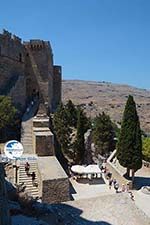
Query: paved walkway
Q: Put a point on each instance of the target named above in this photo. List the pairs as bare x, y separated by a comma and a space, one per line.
142, 201
85, 188
116, 209
27, 129
27, 141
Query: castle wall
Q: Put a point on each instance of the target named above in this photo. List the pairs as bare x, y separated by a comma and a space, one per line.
11, 46
41, 58
27, 68
32, 86
13, 81
56, 87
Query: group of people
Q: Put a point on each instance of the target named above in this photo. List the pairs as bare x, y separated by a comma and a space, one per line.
27, 169
115, 184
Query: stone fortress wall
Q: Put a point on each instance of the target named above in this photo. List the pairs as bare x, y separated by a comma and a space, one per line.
12, 68
27, 72
27, 68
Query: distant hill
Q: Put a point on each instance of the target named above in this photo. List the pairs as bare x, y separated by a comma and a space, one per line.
96, 97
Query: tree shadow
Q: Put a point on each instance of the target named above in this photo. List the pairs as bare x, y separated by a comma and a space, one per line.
141, 181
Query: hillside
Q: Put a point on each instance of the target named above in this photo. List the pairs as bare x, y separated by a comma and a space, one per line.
96, 97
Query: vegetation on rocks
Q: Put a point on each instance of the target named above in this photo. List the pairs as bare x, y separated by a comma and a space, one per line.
9, 121
129, 148
146, 148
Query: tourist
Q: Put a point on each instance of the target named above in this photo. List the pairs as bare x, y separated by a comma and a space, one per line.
110, 183
27, 168
33, 175
27, 110
32, 103
123, 188
116, 186
109, 175
127, 188
131, 196
114, 181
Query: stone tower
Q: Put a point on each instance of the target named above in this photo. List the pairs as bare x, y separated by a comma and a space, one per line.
27, 70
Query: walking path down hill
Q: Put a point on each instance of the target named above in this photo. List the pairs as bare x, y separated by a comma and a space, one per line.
27, 128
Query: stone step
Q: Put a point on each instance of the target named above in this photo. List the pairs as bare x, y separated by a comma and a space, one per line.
27, 139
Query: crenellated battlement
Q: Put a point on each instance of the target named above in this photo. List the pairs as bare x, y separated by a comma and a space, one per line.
37, 44
9, 36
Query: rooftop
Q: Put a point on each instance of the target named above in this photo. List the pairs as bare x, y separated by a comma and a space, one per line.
50, 168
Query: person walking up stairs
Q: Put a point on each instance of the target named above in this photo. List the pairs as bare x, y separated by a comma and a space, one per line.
31, 188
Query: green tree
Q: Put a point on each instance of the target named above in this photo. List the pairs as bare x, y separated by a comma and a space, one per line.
146, 148
103, 134
129, 148
83, 125
62, 128
71, 113
7, 114
7, 111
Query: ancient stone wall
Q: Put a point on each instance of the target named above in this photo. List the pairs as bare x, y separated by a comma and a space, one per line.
41, 61
28, 67
55, 191
57, 87
54, 185
12, 69
11, 46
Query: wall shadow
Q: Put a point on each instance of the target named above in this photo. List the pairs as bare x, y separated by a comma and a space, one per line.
65, 214
91, 181
141, 181
71, 215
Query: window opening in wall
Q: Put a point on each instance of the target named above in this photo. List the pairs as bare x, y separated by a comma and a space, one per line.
20, 57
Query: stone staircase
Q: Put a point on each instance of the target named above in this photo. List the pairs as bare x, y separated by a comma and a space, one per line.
30, 189
27, 128
28, 154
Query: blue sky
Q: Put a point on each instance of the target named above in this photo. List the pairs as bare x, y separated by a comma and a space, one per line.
103, 40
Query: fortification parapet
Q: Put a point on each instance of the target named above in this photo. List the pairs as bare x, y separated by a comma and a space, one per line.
17, 39
6, 34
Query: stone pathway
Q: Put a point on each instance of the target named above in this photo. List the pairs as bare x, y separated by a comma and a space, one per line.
142, 201
27, 129
27, 180
27, 141
116, 209
85, 188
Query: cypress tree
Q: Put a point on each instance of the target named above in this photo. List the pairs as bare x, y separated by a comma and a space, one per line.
129, 148
103, 134
83, 124
71, 113
61, 128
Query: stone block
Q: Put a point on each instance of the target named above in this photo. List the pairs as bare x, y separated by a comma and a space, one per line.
54, 185
43, 141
